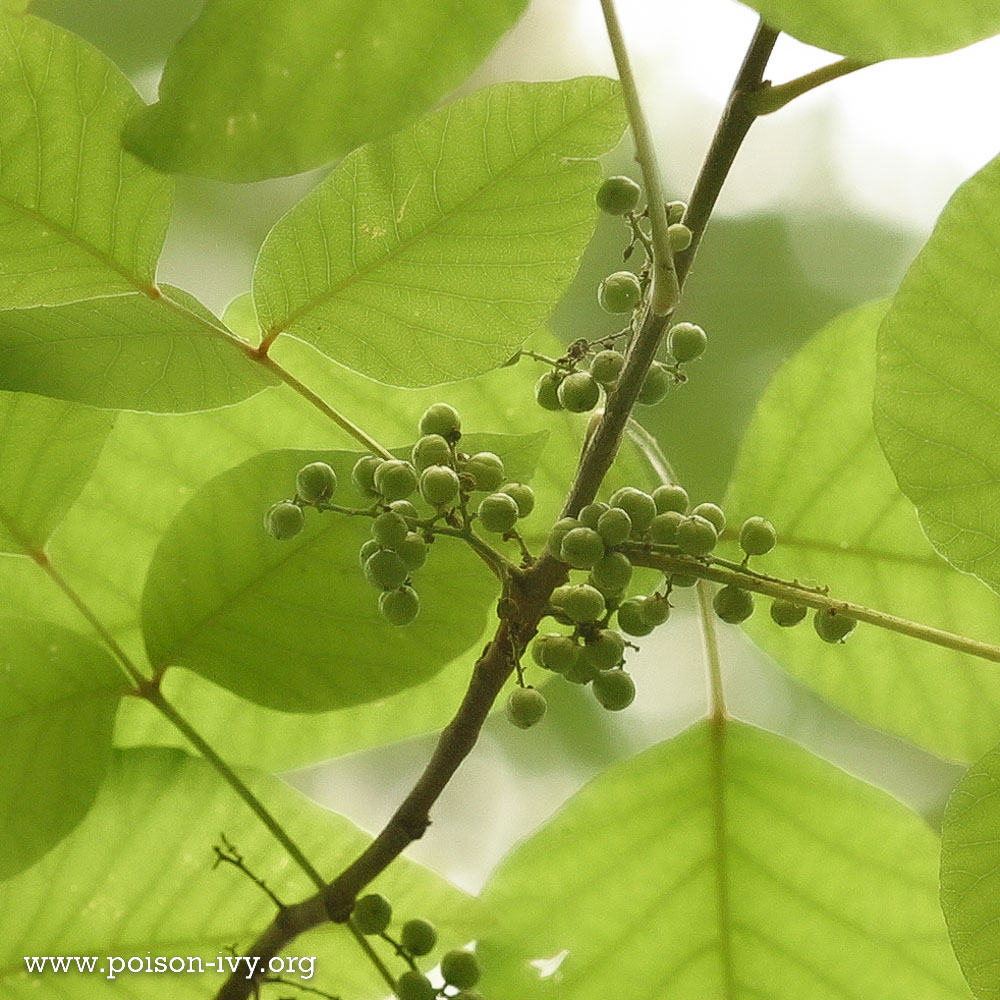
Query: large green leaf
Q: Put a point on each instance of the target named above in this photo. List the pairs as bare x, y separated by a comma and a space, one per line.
137, 879
259, 90
937, 409
58, 696
78, 217
970, 875
811, 463
727, 862
430, 256
130, 352
871, 30
48, 450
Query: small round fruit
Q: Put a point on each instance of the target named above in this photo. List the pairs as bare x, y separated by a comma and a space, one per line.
547, 391
418, 936
675, 211
582, 671
581, 548
523, 495
431, 449
414, 985
605, 648
525, 707
757, 536
680, 236
607, 366
663, 530
389, 529
384, 570
687, 341
655, 610
638, 505
786, 613
498, 513
284, 520
614, 526
439, 485
733, 605
612, 573
372, 913
367, 551
591, 514
682, 580
399, 607
581, 603
460, 968
395, 479
655, 385
831, 626
315, 482
630, 618
440, 418
618, 195
555, 652
487, 470
614, 689
619, 292
579, 392
714, 513
405, 508
363, 474
412, 550
559, 532
670, 498
696, 535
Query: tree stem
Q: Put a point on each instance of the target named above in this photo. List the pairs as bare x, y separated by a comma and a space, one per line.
768, 99
716, 695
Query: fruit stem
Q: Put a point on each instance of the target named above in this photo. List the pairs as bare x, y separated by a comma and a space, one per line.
716, 695
370, 953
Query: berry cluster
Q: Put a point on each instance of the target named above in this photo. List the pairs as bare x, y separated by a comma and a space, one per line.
372, 916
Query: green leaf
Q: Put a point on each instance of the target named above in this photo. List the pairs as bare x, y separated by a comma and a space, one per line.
131, 352
137, 878
78, 218
811, 464
260, 90
430, 256
970, 874
58, 696
936, 409
14, 6
870, 30
727, 862
47, 452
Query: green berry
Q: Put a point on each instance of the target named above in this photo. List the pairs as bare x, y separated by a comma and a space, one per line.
618, 195
682, 580
487, 470
680, 237
547, 391
418, 937
831, 626
733, 605
399, 607
363, 474
581, 548
605, 648
614, 689
591, 514
431, 449
670, 498
284, 520
460, 968
372, 913
389, 529
405, 508
614, 526
440, 418
315, 482
579, 393
522, 495
663, 530
675, 211
555, 652
558, 533
412, 550
786, 613
630, 618
619, 292
395, 479
439, 485
696, 535
757, 536
498, 513
582, 671
384, 570
607, 366
687, 341
655, 385
612, 573
581, 603
414, 985
367, 551
638, 505
712, 512
525, 707
655, 610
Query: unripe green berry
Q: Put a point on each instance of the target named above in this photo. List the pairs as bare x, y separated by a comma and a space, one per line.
524, 708
555, 652
581, 603
655, 610
607, 366
581, 548
614, 526
583, 671
733, 605
431, 449
670, 498
558, 533
414, 985
655, 385
400, 606
612, 573
614, 689
367, 551
487, 470
618, 195
389, 529
619, 292
687, 341
363, 474
757, 536
714, 513
523, 495
675, 211
696, 535
384, 570
439, 485
284, 520
663, 530
591, 514
630, 618
682, 580
460, 968
605, 648
405, 508
547, 391
418, 937
498, 513
372, 913
680, 237
831, 626
579, 393
315, 481
395, 479
412, 550
440, 418
638, 505
786, 613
